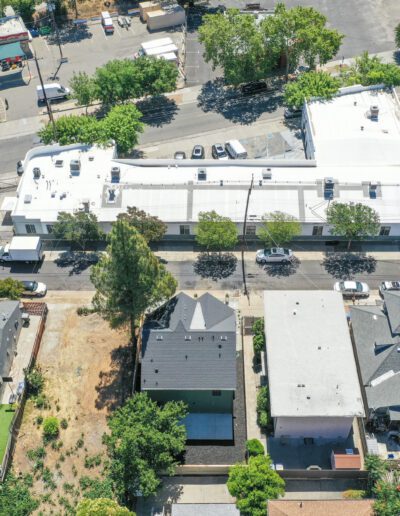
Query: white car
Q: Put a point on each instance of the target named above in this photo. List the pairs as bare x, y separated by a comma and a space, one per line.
34, 288
352, 288
389, 285
274, 255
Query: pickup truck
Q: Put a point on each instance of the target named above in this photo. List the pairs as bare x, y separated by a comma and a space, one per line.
22, 249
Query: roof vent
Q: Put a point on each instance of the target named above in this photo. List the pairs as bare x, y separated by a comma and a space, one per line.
63, 195
28, 199
374, 112
111, 196
266, 173
115, 174
36, 172
188, 337
59, 163
201, 174
159, 337
373, 186
75, 167
221, 183
329, 186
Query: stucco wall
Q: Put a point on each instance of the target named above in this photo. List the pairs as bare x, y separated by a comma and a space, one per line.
316, 427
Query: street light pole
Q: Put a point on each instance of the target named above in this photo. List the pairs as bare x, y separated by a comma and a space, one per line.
51, 8
244, 243
48, 106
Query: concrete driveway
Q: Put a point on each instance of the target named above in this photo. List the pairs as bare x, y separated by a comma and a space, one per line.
367, 24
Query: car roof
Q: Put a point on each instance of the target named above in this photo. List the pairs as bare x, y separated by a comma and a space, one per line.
392, 284
350, 284
28, 283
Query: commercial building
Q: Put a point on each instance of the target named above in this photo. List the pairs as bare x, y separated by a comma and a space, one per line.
312, 376
189, 354
14, 38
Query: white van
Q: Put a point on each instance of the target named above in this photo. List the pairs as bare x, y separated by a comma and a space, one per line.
235, 149
167, 49
107, 22
53, 91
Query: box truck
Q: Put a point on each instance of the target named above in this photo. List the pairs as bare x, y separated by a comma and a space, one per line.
53, 91
22, 249
107, 22
155, 43
167, 49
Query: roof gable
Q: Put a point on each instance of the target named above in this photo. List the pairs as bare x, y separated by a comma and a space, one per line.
392, 303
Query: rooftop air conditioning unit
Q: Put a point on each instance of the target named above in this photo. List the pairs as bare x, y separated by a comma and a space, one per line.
373, 187
28, 199
202, 174
329, 186
36, 172
115, 174
59, 163
75, 167
266, 173
374, 112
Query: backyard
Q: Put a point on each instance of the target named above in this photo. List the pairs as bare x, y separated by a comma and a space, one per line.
86, 368
6, 414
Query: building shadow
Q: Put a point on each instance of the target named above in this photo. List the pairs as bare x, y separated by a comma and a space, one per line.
282, 270
228, 102
115, 385
345, 266
215, 266
158, 110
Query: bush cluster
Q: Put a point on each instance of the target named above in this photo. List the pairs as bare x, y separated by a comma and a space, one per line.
263, 407
259, 336
254, 447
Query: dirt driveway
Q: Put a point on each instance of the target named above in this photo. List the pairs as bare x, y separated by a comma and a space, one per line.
87, 370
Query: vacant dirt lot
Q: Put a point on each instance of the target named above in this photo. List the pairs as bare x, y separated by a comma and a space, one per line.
87, 369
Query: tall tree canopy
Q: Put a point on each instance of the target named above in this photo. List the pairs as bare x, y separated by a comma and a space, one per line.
309, 85
368, 70
10, 288
79, 227
149, 226
278, 228
215, 232
83, 88
353, 221
145, 441
129, 279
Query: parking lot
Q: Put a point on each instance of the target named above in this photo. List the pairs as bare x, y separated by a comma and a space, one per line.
85, 48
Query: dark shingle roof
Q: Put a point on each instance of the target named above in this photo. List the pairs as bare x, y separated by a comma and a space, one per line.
190, 344
392, 303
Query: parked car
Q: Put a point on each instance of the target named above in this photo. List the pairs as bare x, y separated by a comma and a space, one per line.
274, 255
198, 152
5, 66
218, 152
389, 285
34, 288
352, 289
292, 113
254, 87
34, 32
179, 155
121, 21
20, 168
128, 21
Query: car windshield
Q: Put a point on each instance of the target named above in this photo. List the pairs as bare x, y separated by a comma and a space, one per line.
359, 286
30, 285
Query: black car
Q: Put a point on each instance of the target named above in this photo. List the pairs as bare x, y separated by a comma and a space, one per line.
198, 152
5, 65
20, 168
254, 87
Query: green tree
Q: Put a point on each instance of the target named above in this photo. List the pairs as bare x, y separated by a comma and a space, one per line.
74, 129
278, 228
234, 42
146, 440
122, 124
129, 279
387, 497
25, 8
369, 70
254, 484
156, 76
376, 468
397, 35
254, 447
309, 85
354, 221
96, 487
15, 497
150, 227
258, 326
82, 88
300, 33
78, 228
11, 288
51, 427
101, 507
215, 232
258, 343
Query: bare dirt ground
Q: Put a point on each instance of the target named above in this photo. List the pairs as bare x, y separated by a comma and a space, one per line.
89, 8
87, 369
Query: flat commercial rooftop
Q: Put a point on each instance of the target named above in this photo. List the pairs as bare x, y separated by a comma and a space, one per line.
12, 26
311, 366
175, 192
344, 132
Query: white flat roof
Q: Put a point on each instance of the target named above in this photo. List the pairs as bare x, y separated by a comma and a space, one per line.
174, 192
311, 366
19, 243
11, 25
337, 134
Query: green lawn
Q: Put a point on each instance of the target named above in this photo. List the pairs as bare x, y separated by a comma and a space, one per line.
6, 415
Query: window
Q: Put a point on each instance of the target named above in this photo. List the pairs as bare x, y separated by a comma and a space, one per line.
216, 393
30, 228
251, 229
385, 231
317, 230
184, 229
49, 228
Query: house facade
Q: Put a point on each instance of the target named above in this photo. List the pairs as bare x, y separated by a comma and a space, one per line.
10, 328
189, 354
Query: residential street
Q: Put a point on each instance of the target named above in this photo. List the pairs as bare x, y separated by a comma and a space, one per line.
307, 275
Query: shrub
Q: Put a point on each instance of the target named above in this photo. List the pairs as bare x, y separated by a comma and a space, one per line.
51, 428
258, 326
64, 423
41, 402
262, 407
79, 443
96, 488
258, 343
39, 420
254, 447
354, 494
34, 381
91, 462
84, 310
38, 453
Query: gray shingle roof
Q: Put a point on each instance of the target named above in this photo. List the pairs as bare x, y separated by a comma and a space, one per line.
392, 303
377, 351
190, 344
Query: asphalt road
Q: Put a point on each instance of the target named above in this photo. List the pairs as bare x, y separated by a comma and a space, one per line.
308, 275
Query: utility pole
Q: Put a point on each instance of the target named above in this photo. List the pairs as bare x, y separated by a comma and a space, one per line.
48, 106
51, 8
244, 243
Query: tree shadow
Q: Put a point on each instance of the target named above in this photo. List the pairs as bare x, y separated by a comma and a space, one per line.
345, 265
228, 102
158, 110
78, 261
70, 34
215, 266
115, 385
196, 13
282, 270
